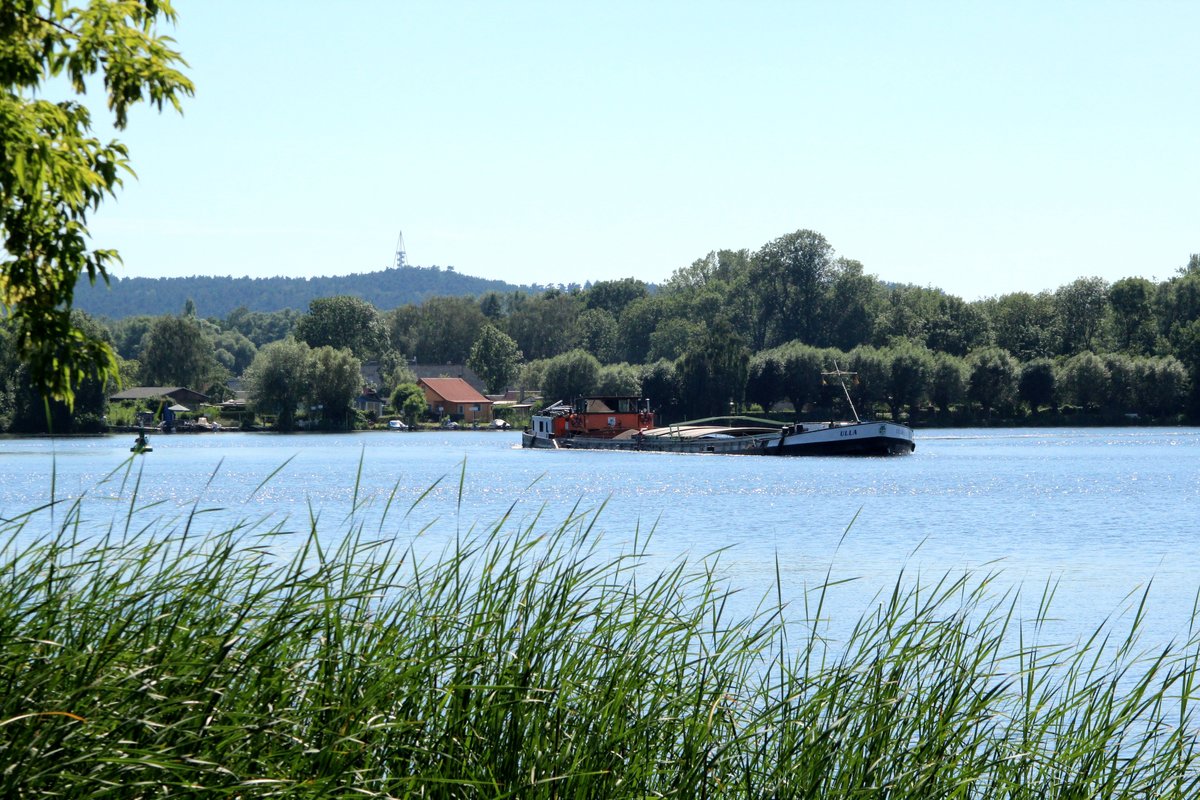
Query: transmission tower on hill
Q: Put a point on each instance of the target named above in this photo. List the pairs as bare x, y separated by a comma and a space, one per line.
401, 256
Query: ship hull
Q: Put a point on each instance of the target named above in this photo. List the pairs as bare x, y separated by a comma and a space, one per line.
825, 439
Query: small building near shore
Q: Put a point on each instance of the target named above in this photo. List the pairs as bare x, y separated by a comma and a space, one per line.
447, 371
175, 394
171, 400
456, 399
369, 402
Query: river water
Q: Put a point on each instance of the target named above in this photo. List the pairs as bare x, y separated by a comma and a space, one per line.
1101, 513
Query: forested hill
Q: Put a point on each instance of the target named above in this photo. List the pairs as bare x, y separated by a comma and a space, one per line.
217, 296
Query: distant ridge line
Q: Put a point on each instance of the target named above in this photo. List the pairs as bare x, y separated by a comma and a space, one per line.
217, 296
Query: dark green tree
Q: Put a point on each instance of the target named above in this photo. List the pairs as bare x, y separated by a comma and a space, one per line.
1085, 380
336, 379
279, 379
532, 375
233, 351
9, 379
178, 352
948, 382
1185, 338
618, 380
992, 378
637, 325
909, 375
409, 402
856, 300
712, 373
53, 171
1132, 302
570, 375
1121, 394
802, 368
28, 409
764, 380
1177, 306
907, 314
344, 322
719, 269
957, 327
1081, 305
1037, 385
869, 386
614, 296
790, 279
262, 327
492, 306
660, 384
446, 330
129, 335
495, 358
595, 330
673, 337
1161, 386
393, 371
540, 325
1025, 325
402, 326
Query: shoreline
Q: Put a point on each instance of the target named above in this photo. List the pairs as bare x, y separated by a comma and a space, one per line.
917, 427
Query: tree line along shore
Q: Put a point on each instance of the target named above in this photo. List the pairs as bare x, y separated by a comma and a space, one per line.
736, 330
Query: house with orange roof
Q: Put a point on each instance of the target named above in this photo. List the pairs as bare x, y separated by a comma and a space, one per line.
456, 399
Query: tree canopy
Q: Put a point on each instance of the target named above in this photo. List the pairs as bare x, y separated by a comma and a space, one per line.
344, 321
177, 352
495, 358
336, 380
279, 378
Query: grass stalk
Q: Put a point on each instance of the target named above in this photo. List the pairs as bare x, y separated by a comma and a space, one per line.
524, 660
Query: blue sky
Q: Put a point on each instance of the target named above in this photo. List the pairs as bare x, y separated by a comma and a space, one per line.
978, 148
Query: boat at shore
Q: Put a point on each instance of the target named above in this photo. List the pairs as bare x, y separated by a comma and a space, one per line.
627, 423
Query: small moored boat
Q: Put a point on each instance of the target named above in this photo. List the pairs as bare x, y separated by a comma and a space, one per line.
141, 444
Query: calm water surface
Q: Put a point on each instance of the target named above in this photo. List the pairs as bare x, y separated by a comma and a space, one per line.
1103, 512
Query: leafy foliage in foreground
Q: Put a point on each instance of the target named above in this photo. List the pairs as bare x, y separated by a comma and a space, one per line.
519, 664
54, 172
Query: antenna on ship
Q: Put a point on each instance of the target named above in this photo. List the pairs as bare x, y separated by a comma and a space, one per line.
841, 374
401, 256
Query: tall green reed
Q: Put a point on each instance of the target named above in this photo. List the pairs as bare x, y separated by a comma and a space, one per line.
524, 660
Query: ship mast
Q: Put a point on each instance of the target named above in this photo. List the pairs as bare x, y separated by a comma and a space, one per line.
840, 374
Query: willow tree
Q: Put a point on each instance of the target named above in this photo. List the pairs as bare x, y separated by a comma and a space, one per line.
279, 378
53, 171
713, 372
336, 379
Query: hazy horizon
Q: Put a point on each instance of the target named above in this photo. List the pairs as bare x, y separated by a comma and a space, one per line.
979, 150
